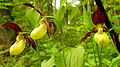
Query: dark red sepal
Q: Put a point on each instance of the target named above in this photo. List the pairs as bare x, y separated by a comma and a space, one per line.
55, 28
27, 4
13, 26
30, 41
94, 30
49, 24
98, 17
105, 29
30, 5
86, 36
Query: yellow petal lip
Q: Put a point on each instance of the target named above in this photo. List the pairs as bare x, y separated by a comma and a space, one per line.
18, 46
101, 38
39, 32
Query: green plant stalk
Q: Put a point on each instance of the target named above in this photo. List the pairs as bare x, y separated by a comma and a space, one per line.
94, 54
62, 37
101, 51
62, 43
38, 52
26, 33
49, 17
99, 57
39, 64
39, 59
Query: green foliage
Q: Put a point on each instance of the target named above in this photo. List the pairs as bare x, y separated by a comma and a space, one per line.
116, 28
74, 57
3, 7
115, 62
73, 13
33, 18
60, 13
49, 63
87, 19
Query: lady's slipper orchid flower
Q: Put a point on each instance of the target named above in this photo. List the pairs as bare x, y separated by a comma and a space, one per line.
100, 36
18, 46
45, 26
21, 39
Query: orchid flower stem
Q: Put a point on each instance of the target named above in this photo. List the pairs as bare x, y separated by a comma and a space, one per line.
49, 17
38, 52
45, 17
27, 33
63, 47
94, 53
39, 64
62, 42
99, 57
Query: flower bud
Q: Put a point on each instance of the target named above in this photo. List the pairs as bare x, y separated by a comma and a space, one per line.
39, 32
18, 46
101, 38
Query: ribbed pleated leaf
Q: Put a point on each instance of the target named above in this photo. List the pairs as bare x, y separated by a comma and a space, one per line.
74, 57
115, 62
49, 63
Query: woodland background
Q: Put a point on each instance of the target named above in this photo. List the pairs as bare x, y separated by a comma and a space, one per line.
73, 21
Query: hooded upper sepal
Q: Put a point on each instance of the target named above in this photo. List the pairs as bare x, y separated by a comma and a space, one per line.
98, 17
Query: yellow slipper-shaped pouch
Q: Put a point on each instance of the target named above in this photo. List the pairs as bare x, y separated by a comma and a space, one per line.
18, 46
39, 32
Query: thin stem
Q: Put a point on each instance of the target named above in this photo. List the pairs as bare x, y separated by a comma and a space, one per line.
62, 42
26, 33
38, 52
49, 17
99, 57
94, 53
101, 51
39, 64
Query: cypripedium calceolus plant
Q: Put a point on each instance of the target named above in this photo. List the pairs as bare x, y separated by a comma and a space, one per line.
21, 39
100, 36
44, 27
